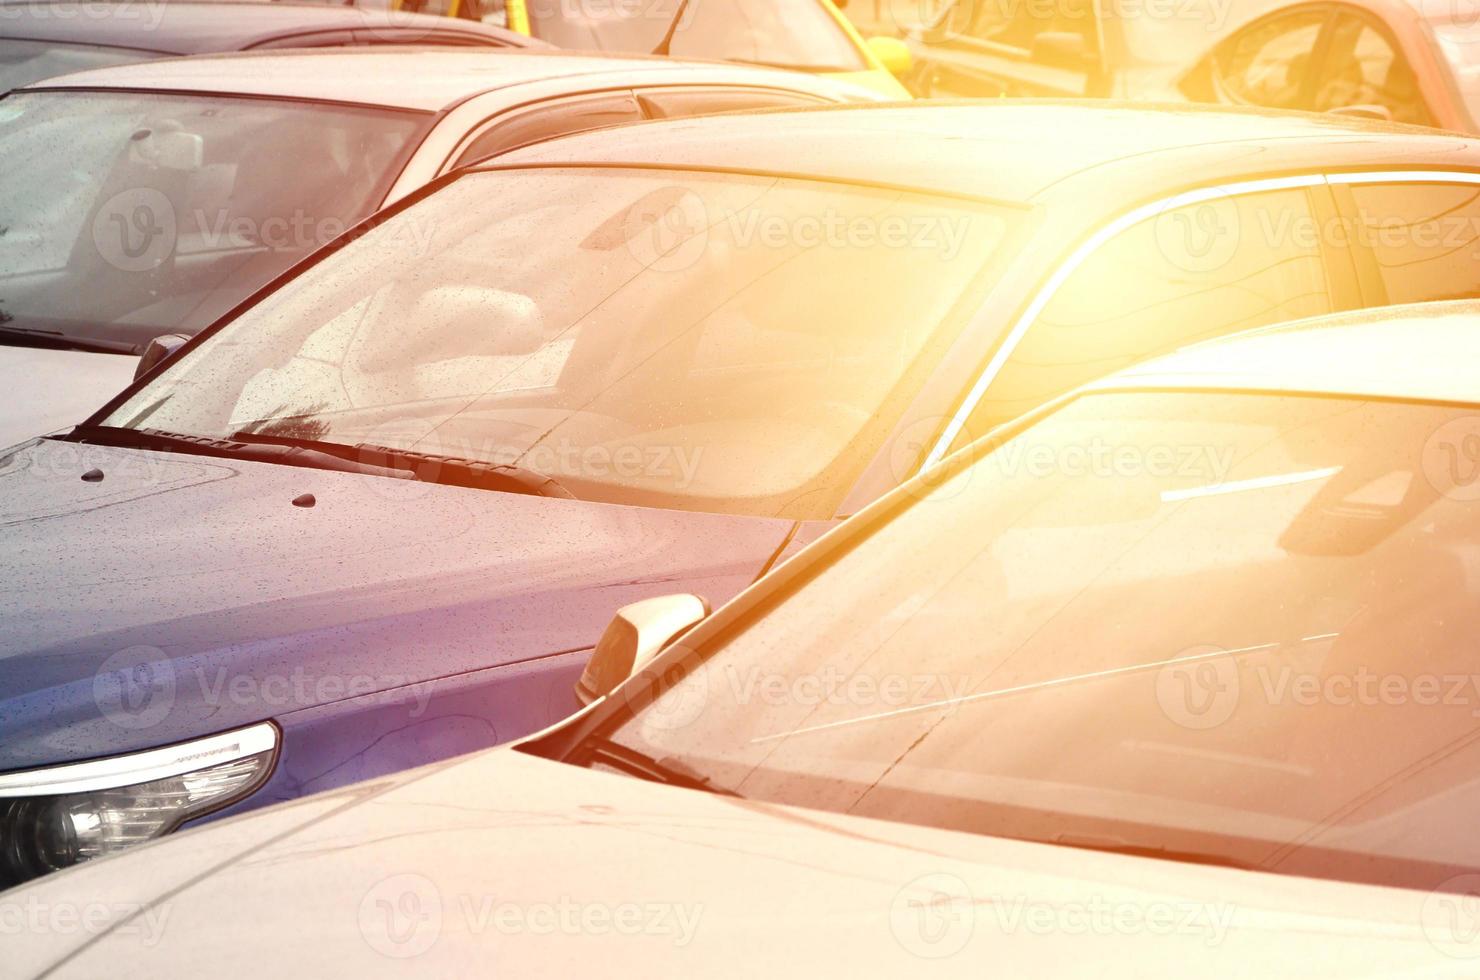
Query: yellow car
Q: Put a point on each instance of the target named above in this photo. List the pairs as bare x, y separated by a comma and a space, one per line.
804, 35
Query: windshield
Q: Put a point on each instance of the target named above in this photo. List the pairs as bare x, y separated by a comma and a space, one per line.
723, 343
1226, 625
1460, 43
24, 62
125, 216
786, 33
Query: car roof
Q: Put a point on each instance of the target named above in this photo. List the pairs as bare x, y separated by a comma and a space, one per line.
175, 27
1413, 353
1016, 151
428, 79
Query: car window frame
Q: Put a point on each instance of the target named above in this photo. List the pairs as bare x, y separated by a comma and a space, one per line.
454, 159
998, 63
1208, 66
1364, 258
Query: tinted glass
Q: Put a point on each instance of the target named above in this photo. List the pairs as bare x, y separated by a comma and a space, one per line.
24, 62
1422, 241
1363, 67
128, 216
720, 343
1234, 626
554, 118
1269, 63
786, 33
1460, 45
1189, 275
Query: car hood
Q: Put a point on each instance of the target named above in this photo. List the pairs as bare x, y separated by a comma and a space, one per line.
203, 576
49, 390
503, 863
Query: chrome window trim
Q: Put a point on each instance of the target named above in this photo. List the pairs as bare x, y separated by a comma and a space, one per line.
141, 767
1127, 221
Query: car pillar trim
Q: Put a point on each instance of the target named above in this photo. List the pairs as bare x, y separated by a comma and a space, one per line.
141, 767
1126, 221
1406, 177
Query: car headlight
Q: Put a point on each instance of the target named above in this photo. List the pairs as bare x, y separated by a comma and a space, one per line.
57, 817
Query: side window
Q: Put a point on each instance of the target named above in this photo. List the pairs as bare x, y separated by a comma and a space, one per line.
1418, 242
1188, 275
673, 103
1363, 67
1269, 63
555, 118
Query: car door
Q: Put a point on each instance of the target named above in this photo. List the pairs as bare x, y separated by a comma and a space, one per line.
988, 49
546, 120
1189, 274
1413, 241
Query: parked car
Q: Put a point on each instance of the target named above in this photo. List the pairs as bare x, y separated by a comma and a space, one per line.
1068, 48
43, 38
1412, 61
1047, 706
147, 200
802, 35
657, 358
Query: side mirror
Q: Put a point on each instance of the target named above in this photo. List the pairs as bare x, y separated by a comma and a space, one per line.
892, 53
1060, 49
157, 351
1379, 112
634, 636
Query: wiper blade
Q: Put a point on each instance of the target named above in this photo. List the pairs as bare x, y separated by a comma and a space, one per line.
428, 467
364, 458
310, 457
668, 770
56, 340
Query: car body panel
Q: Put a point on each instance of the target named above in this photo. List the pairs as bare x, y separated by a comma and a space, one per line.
246, 607
183, 28
447, 869
48, 390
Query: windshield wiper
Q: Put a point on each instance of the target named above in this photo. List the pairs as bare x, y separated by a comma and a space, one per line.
668, 770
56, 340
363, 459
451, 471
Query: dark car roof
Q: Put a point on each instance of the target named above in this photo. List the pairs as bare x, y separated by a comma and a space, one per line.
198, 28
1018, 151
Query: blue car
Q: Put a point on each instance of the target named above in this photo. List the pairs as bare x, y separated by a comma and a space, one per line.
379, 514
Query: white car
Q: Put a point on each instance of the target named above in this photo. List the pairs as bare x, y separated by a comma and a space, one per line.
1012, 718
146, 200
